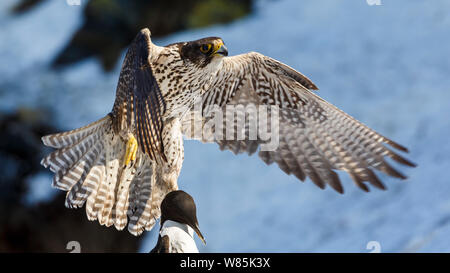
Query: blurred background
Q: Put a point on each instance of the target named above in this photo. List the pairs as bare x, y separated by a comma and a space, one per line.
387, 65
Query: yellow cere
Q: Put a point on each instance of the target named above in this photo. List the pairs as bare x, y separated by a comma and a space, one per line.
218, 45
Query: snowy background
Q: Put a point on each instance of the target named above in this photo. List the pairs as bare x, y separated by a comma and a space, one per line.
387, 66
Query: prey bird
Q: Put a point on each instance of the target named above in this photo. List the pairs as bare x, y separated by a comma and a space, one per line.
123, 165
178, 224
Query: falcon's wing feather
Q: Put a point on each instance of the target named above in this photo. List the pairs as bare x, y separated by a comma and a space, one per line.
139, 104
315, 137
282, 68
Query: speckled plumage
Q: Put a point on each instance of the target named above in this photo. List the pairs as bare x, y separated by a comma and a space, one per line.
155, 102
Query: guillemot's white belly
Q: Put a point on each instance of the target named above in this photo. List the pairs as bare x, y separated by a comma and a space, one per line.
181, 237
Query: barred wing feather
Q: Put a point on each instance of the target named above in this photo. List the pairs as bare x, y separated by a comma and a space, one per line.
315, 137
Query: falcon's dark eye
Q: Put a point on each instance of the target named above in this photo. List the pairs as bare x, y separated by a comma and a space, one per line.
205, 48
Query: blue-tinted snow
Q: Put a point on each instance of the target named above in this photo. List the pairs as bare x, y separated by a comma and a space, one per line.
387, 65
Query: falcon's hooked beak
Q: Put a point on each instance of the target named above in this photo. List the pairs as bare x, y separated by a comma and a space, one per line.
220, 49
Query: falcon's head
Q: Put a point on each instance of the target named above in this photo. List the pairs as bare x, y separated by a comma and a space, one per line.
204, 51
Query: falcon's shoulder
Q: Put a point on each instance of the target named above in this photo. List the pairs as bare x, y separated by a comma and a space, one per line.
261, 79
265, 63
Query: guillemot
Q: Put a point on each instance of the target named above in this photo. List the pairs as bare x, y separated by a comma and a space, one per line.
178, 223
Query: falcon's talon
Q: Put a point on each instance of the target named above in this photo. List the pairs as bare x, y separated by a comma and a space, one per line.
130, 154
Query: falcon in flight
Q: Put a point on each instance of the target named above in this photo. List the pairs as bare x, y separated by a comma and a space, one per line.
124, 164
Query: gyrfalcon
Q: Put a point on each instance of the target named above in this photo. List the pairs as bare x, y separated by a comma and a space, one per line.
124, 164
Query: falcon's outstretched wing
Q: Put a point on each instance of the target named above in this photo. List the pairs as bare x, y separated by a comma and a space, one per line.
92, 163
139, 104
315, 137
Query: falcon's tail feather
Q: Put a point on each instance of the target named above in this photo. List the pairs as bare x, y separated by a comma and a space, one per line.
89, 164
73, 146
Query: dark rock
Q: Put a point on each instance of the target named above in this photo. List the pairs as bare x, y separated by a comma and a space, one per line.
20, 150
25, 5
109, 26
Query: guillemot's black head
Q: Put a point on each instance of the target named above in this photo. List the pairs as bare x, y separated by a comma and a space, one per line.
180, 207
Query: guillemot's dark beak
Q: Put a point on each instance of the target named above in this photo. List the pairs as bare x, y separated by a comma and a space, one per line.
200, 235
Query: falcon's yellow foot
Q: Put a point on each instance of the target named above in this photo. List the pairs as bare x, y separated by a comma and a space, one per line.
130, 154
